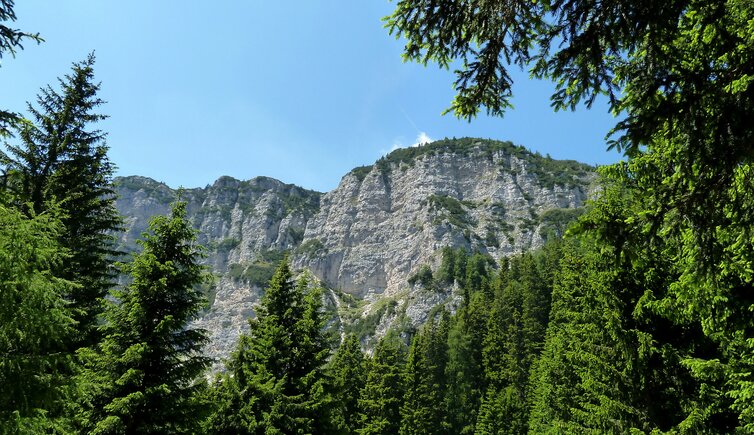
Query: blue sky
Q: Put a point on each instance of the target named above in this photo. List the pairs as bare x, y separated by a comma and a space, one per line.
302, 91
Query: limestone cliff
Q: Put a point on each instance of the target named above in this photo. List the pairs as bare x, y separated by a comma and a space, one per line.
364, 239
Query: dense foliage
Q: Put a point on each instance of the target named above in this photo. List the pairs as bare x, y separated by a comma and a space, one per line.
142, 377
276, 381
35, 324
668, 248
62, 159
638, 321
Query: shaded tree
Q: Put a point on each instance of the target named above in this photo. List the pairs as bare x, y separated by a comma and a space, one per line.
465, 370
35, 322
423, 410
381, 398
349, 376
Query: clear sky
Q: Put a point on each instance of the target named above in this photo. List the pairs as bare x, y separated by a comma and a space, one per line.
302, 90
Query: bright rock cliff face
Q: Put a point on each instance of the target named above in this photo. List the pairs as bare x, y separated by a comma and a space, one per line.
364, 239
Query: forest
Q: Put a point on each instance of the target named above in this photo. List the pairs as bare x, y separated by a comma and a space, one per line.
639, 320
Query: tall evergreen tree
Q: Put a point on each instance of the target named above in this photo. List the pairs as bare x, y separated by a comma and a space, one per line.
423, 403
584, 379
35, 323
143, 378
380, 401
62, 158
349, 376
464, 370
276, 378
681, 74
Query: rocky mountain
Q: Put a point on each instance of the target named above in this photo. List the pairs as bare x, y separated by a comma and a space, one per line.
365, 239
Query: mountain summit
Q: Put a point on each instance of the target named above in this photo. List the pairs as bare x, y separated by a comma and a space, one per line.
368, 237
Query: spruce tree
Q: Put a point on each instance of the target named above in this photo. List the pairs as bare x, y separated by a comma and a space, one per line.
381, 398
35, 323
423, 403
276, 381
347, 370
144, 376
464, 370
62, 158
584, 380
680, 73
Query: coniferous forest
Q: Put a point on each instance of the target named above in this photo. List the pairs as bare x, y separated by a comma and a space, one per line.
640, 319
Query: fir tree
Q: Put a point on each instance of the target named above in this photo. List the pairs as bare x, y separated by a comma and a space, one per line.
35, 322
276, 382
63, 159
380, 401
143, 378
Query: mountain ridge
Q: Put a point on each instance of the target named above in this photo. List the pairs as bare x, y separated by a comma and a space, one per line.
364, 239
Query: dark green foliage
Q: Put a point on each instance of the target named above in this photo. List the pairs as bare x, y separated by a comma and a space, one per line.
143, 377
62, 158
423, 277
35, 324
380, 400
465, 371
224, 245
446, 271
348, 373
470, 272
423, 410
515, 333
276, 382
361, 172
477, 275
583, 380
451, 209
556, 221
11, 40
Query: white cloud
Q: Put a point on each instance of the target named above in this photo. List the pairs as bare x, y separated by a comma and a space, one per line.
421, 139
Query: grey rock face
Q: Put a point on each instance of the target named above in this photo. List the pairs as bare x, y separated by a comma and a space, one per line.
376, 229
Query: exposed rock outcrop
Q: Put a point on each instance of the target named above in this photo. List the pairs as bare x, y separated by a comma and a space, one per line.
365, 238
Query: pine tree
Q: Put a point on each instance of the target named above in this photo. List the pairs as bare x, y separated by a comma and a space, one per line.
277, 382
62, 159
143, 378
348, 372
35, 322
380, 401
